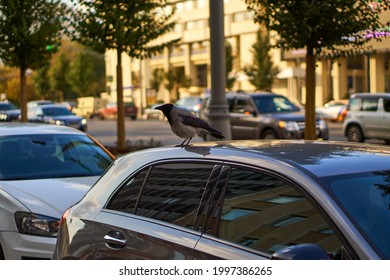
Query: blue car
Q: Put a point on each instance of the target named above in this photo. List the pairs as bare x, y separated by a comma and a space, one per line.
8, 111
58, 115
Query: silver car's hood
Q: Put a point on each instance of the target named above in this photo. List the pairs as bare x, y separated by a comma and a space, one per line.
50, 197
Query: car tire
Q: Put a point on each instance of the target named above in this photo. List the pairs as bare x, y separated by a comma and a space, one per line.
355, 133
269, 134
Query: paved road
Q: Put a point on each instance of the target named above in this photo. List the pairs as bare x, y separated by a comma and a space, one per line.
148, 130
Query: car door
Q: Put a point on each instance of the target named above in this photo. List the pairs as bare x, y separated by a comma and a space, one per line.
258, 214
369, 116
154, 214
242, 120
385, 118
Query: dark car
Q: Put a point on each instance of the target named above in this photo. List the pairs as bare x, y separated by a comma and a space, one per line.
267, 116
8, 111
191, 103
252, 199
58, 115
111, 111
368, 117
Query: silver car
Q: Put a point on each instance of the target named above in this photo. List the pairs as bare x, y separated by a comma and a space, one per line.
253, 199
44, 169
368, 117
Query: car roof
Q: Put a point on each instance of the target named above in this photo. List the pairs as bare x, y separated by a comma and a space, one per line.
252, 94
320, 158
20, 128
364, 94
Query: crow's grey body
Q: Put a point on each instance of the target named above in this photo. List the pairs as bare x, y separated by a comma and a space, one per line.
185, 124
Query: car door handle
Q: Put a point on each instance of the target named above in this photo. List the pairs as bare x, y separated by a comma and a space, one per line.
115, 240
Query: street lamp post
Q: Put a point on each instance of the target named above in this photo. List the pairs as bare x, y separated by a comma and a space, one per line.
218, 114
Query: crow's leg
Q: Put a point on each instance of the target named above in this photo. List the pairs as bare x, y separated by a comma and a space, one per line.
182, 144
189, 141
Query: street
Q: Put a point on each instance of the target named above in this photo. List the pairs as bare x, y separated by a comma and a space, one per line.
146, 130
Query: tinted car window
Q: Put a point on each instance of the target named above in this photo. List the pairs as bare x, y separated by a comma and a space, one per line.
267, 214
170, 193
370, 104
50, 156
386, 105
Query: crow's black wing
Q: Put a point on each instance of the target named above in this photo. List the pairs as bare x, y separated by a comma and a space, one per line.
194, 121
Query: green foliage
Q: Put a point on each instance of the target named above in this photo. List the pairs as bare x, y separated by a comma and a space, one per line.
84, 76
126, 26
262, 71
230, 80
330, 27
27, 28
325, 28
42, 81
156, 80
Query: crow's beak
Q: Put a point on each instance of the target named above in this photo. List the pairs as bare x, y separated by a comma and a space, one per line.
159, 107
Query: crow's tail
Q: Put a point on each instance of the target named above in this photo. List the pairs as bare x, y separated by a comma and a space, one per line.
215, 133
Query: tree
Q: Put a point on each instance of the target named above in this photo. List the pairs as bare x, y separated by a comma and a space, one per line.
130, 27
325, 28
262, 71
83, 75
42, 81
27, 28
230, 79
58, 77
175, 78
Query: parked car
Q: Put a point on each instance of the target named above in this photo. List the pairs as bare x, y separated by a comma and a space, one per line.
111, 111
368, 117
8, 111
35, 103
152, 113
191, 103
58, 115
266, 116
44, 169
249, 199
332, 110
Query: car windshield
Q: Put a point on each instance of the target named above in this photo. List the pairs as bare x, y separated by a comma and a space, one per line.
50, 156
274, 104
56, 111
7, 106
366, 200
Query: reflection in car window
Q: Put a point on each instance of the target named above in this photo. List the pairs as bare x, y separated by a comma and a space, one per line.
366, 198
370, 105
267, 214
171, 193
50, 156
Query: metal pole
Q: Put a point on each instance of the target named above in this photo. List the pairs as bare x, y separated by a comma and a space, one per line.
218, 114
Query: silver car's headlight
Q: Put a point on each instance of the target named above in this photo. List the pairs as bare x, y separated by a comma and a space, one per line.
35, 224
289, 126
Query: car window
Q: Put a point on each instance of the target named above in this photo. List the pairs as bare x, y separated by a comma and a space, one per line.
167, 192
370, 104
354, 104
50, 156
386, 105
242, 105
266, 214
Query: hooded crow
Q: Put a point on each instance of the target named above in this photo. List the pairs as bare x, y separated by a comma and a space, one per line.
185, 124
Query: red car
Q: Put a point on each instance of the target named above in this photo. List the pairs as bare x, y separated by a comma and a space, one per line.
111, 110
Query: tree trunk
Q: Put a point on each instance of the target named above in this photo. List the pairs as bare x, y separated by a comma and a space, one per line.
23, 95
310, 115
121, 133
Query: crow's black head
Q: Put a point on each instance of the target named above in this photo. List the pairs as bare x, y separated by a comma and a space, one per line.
166, 109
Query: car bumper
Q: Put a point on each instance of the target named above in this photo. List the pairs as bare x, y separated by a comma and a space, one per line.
322, 134
18, 246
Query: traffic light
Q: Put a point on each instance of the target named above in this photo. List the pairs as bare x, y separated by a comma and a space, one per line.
51, 47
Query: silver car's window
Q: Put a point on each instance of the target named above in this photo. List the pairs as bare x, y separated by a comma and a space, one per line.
267, 214
50, 156
370, 104
170, 193
386, 105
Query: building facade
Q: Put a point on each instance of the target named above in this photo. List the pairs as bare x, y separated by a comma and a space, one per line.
334, 80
